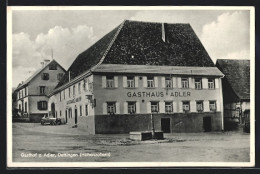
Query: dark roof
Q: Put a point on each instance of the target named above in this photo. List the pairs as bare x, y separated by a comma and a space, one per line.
141, 43
237, 73
21, 85
155, 69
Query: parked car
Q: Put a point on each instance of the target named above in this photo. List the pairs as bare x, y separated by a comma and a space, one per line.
50, 120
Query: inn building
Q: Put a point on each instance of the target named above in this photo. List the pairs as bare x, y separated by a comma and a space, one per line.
138, 72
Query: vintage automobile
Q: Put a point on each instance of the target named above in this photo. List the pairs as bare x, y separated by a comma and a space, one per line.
50, 120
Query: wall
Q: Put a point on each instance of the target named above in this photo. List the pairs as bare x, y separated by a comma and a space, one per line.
180, 122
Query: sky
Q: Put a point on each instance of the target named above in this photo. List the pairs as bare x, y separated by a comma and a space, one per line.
225, 34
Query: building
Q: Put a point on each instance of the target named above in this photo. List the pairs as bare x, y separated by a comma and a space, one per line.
32, 99
138, 73
236, 88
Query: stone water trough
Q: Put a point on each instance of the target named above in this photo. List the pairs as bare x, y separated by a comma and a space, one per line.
146, 135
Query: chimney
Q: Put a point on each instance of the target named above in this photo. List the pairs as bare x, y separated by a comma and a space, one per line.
164, 36
46, 61
42, 63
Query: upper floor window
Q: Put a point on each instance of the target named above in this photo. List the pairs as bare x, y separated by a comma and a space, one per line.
130, 82
168, 82
64, 94
80, 110
42, 105
69, 91
131, 107
168, 107
212, 105
73, 90
60, 96
45, 76
186, 106
199, 105
25, 91
53, 66
59, 76
184, 83
211, 83
42, 89
150, 82
155, 107
111, 107
110, 81
198, 84
79, 90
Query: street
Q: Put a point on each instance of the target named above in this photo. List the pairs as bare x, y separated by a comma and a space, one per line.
35, 143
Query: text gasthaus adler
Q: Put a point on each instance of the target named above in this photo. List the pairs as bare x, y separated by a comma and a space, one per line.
159, 94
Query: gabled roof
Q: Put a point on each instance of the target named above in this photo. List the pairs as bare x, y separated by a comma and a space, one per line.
237, 73
154, 69
141, 43
36, 73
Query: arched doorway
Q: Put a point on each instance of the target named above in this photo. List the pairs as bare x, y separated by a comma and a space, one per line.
53, 110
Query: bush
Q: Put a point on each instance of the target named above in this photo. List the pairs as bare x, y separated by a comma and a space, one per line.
230, 125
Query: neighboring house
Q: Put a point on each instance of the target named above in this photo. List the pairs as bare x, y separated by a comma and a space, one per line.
236, 88
139, 69
32, 100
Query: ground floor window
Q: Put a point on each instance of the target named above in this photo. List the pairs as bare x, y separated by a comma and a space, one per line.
186, 106
80, 110
131, 107
25, 107
168, 107
111, 107
42, 105
60, 113
86, 110
199, 105
212, 105
155, 107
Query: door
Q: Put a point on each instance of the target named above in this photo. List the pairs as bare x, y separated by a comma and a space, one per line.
207, 124
53, 110
166, 125
66, 116
76, 116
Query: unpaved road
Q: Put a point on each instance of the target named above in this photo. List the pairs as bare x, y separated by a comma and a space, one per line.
64, 144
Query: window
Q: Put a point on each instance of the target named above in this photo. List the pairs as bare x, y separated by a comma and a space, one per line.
64, 94
60, 96
168, 82
150, 82
80, 110
168, 107
86, 110
42, 105
130, 82
59, 76
199, 105
184, 83
155, 107
73, 90
69, 91
20, 107
22, 93
186, 106
25, 91
79, 90
131, 107
45, 76
110, 81
60, 113
198, 84
211, 83
25, 107
42, 89
111, 107
212, 105
53, 66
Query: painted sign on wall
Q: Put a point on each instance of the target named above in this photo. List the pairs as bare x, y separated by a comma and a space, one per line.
159, 94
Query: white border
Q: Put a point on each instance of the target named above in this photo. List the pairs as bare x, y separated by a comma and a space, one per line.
10, 163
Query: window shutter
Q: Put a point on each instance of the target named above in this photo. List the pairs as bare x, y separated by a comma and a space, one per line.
145, 82
137, 107
193, 107
117, 107
206, 106
216, 83
156, 82
218, 105
124, 81
46, 90
179, 82
148, 107
191, 83
116, 81
180, 107
103, 81
204, 83
174, 105
104, 108
163, 82
174, 82
125, 107
136, 81
162, 107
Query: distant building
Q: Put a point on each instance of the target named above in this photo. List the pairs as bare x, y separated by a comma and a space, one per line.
236, 88
137, 70
32, 100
